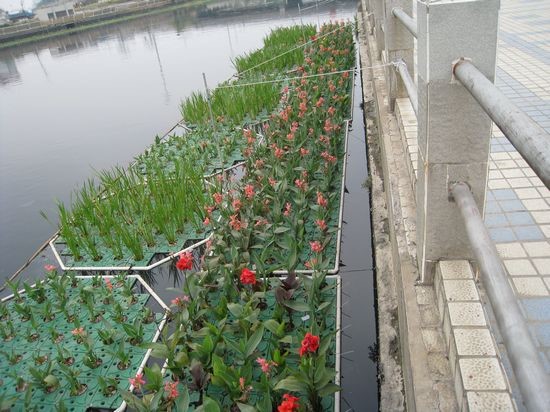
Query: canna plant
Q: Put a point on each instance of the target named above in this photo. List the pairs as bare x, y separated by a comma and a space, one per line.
44, 378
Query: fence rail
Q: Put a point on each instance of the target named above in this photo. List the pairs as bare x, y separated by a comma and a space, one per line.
524, 133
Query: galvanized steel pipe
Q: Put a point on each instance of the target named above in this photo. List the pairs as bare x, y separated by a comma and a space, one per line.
524, 133
408, 21
532, 379
412, 91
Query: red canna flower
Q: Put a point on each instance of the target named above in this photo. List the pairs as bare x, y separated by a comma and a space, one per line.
108, 284
259, 164
265, 364
321, 201
288, 209
331, 110
310, 343
303, 151
300, 184
321, 224
248, 277
206, 221
272, 181
235, 223
320, 102
218, 197
249, 191
185, 261
138, 381
171, 389
316, 246
290, 404
49, 268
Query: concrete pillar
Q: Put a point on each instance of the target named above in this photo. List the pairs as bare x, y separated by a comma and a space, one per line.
399, 43
378, 10
453, 130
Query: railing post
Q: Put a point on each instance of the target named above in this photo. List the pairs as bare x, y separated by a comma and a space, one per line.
399, 44
453, 130
378, 10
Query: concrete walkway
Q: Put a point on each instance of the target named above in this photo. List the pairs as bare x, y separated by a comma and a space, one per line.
517, 210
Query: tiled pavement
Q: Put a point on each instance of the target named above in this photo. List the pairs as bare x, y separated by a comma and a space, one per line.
517, 210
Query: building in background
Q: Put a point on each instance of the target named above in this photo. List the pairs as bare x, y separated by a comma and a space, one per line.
54, 10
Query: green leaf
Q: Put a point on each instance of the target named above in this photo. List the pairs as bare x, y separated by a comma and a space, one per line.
272, 325
208, 405
235, 309
329, 389
182, 402
287, 339
281, 229
323, 305
254, 341
291, 384
159, 350
325, 343
246, 408
298, 306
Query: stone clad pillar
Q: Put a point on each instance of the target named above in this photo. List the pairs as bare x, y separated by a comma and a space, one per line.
399, 44
453, 130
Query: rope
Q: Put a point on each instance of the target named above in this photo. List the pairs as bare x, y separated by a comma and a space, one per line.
286, 52
285, 79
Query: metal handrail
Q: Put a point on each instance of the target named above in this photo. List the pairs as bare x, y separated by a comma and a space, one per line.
532, 378
412, 90
408, 21
530, 139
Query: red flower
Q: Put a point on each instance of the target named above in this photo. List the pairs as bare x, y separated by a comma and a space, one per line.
249, 191
265, 364
171, 389
310, 343
320, 102
321, 201
248, 277
288, 208
290, 404
108, 284
49, 268
316, 246
185, 261
217, 198
138, 381
331, 110
321, 224
300, 184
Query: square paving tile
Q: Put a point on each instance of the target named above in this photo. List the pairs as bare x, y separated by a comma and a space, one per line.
474, 342
520, 267
530, 286
466, 314
502, 234
535, 204
495, 220
510, 250
536, 308
519, 218
537, 249
542, 265
460, 290
489, 402
481, 374
528, 233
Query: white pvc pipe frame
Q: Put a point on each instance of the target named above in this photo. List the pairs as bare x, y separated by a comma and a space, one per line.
161, 325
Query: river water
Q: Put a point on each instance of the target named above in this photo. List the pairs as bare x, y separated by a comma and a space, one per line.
89, 101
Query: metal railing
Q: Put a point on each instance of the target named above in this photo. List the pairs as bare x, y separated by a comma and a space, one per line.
412, 91
531, 375
408, 21
524, 133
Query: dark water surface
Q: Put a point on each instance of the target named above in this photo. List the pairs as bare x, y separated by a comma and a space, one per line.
95, 99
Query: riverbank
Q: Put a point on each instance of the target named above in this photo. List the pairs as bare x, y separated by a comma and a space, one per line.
88, 25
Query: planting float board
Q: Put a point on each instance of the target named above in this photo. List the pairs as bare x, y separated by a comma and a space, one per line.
92, 396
